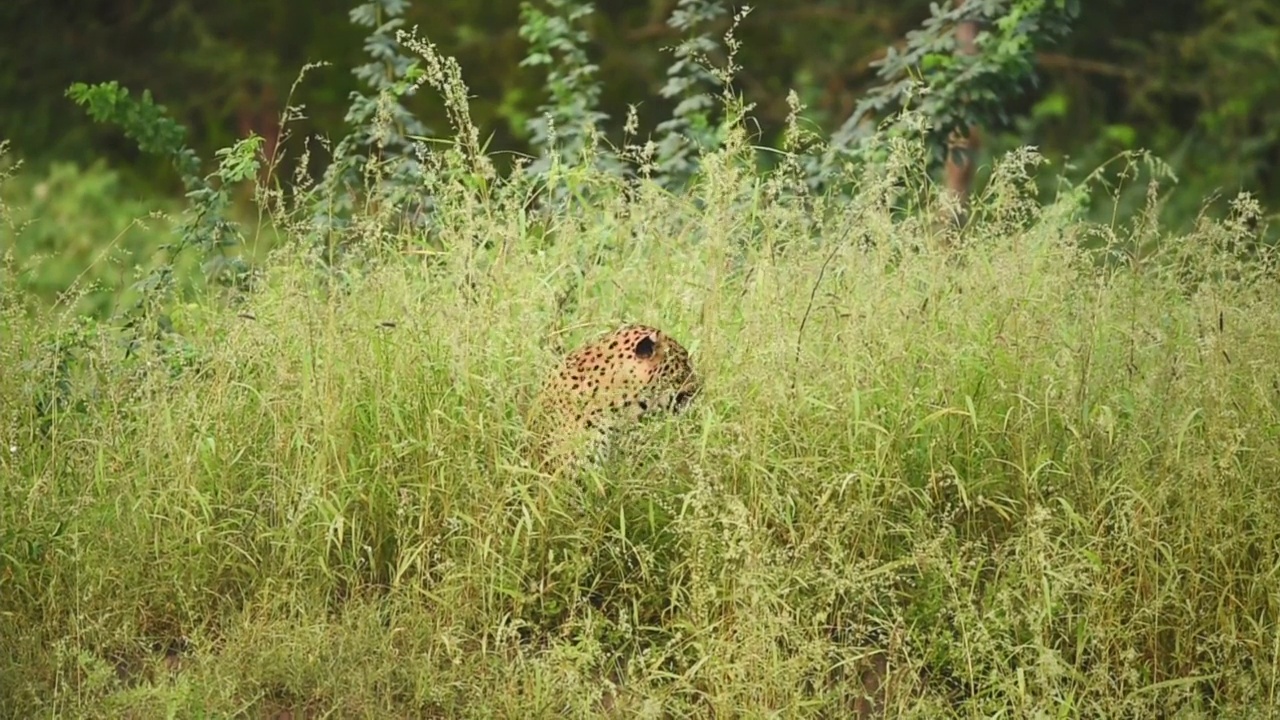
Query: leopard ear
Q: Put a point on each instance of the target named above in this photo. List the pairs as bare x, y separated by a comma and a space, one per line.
645, 347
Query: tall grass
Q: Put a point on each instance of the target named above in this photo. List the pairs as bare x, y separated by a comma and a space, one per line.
977, 475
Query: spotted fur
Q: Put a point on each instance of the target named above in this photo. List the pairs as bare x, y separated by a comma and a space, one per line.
612, 382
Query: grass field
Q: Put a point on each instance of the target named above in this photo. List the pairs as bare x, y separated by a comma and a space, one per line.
998, 477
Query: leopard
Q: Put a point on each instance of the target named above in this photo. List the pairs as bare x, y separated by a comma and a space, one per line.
603, 388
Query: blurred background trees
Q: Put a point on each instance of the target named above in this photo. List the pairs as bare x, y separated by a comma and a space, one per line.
1195, 81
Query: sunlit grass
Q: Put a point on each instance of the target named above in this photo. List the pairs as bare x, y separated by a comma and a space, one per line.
1032, 482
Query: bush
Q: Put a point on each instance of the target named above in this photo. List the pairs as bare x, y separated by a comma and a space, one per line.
77, 233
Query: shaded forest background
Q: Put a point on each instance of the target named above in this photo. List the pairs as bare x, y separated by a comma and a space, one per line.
1194, 81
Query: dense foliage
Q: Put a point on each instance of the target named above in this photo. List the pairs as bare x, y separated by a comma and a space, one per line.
263, 447
1192, 80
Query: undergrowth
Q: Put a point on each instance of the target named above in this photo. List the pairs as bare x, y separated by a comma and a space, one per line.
1027, 469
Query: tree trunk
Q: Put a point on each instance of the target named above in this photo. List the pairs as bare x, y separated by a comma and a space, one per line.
962, 147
